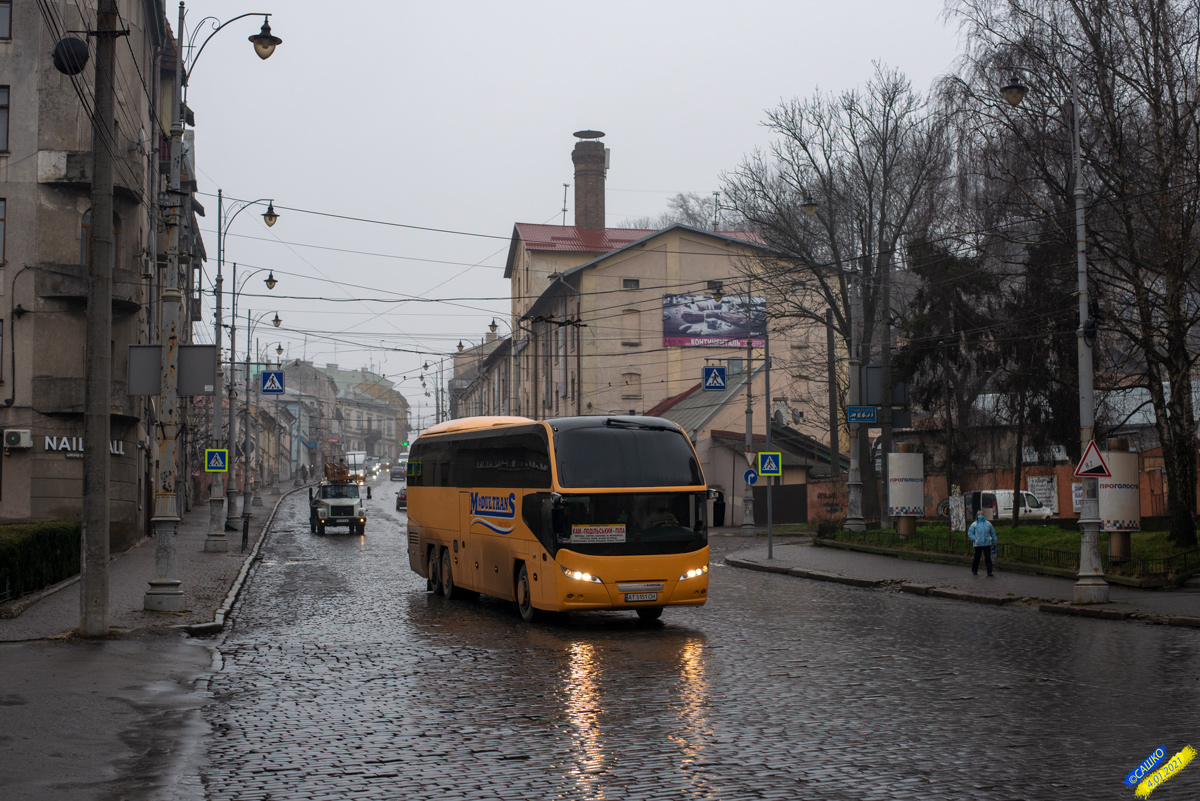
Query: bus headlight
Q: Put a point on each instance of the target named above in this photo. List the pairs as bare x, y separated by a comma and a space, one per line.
700, 571
580, 576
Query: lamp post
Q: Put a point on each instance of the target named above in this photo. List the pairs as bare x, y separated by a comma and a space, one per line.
232, 520
1090, 586
165, 594
247, 485
215, 541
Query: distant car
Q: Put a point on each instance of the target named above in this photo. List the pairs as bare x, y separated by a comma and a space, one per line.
398, 471
998, 505
402, 498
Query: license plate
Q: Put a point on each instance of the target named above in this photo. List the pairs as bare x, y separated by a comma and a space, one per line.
630, 597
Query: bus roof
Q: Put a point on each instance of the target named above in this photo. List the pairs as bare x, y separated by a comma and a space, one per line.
476, 424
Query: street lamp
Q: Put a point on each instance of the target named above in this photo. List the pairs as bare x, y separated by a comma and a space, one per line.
1090, 587
165, 593
221, 518
247, 484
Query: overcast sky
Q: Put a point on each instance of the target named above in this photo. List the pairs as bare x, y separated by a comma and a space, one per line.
459, 115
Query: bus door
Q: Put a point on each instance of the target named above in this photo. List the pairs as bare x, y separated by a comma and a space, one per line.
489, 541
470, 562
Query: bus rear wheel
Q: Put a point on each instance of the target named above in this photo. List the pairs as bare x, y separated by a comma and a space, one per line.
649, 613
433, 572
525, 597
450, 591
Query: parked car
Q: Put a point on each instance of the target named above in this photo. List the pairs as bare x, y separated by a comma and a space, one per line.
398, 472
402, 498
998, 505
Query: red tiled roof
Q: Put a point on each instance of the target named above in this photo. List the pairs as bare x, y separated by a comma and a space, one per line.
665, 405
572, 238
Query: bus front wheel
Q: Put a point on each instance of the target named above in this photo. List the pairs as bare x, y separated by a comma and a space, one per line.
525, 597
650, 613
433, 572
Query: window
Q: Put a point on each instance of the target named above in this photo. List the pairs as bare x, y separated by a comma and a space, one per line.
630, 283
1, 230
4, 119
631, 327
633, 386
5, 19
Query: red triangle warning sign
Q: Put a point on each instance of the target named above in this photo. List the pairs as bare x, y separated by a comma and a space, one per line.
1092, 465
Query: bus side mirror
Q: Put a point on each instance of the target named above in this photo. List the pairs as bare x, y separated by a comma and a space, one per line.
558, 515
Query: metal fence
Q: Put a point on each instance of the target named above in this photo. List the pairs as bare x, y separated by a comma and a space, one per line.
957, 543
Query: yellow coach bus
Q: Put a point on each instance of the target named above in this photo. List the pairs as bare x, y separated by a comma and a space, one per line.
559, 515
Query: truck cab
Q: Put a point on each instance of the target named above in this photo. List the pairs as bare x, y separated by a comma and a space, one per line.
337, 501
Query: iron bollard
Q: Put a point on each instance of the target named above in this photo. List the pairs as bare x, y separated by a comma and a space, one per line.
245, 531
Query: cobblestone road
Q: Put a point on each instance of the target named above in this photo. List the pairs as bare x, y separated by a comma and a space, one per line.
344, 679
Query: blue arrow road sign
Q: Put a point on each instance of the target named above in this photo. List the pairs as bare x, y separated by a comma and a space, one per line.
860, 414
770, 463
750, 477
714, 378
216, 460
272, 382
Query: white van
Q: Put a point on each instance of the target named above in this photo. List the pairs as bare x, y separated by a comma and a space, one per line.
998, 505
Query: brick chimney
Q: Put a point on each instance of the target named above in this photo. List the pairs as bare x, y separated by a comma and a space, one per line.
591, 163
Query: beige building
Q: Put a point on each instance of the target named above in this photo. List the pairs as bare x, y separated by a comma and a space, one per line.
45, 185
618, 321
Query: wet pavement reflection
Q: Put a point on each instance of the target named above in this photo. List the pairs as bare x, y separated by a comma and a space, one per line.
343, 678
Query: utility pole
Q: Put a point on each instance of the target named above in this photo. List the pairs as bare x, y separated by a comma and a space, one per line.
770, 418
885, 388
232, 521
165, 594
835, 469
748, 493
854, 519
97, 424
215, 542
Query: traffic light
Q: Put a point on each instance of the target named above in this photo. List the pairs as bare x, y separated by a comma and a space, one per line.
405, 444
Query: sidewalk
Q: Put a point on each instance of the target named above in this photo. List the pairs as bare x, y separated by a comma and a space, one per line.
209, 580
799, 557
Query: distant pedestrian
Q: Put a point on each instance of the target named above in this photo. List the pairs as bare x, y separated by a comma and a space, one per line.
304, 473
983, 537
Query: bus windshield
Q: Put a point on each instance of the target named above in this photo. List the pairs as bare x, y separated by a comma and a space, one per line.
619, 524
621, 454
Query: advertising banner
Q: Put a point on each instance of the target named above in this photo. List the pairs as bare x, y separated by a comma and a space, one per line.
1120, 494
691, 321
906, 484
1045, 489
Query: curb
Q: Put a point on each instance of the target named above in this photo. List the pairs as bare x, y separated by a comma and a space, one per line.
1084, 611
217, 625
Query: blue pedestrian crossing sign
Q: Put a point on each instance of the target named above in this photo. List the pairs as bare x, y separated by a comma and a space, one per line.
750, 477
770, 463
714, 378
216, 460
272, 382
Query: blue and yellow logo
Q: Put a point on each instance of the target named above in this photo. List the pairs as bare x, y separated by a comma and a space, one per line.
1148, 779
503, 507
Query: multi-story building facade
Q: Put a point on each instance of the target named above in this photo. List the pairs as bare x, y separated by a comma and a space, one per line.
45, 184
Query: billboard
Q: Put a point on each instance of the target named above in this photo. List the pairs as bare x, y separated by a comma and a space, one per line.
700, 321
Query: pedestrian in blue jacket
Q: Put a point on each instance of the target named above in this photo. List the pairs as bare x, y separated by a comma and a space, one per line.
983, 537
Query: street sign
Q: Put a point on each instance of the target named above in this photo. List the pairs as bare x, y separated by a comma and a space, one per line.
751, 457
861, 414
714, 378
272, 382
216, 460
750, 477
770, 463
1092, 465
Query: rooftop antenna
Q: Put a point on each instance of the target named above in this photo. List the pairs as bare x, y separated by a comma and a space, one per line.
565, 203
716, 211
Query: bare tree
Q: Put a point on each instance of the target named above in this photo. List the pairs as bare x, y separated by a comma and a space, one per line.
1137, 67
689, 208
868, 159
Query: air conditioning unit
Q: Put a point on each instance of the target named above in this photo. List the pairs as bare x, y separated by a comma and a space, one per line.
18, 438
